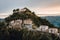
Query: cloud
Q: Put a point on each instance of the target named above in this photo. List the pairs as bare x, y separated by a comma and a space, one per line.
6, 5
10, 4
39, 6
4, 15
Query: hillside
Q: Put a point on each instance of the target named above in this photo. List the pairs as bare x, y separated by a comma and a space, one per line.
25, 13
11, 34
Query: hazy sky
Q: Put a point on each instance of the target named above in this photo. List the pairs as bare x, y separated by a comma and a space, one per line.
46, 7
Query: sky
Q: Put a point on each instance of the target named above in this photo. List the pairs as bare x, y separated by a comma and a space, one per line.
40, 7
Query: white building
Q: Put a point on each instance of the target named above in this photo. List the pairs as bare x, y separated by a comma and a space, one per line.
58, 34
43, 28
53, 30
28, 23
29, 26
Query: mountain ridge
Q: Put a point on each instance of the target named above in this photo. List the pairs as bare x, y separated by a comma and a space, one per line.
53, 20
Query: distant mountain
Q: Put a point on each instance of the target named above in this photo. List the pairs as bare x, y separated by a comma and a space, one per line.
55, 20
1, 19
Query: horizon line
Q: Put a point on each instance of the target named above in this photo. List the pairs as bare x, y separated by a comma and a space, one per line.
37, 14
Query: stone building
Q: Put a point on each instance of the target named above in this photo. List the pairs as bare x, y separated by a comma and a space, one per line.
43, 28
28, 23
53, 30
17, 24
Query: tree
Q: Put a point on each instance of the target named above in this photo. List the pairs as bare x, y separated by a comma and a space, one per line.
2, 25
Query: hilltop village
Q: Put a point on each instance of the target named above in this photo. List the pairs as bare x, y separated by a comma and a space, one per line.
24, 24
24, 19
